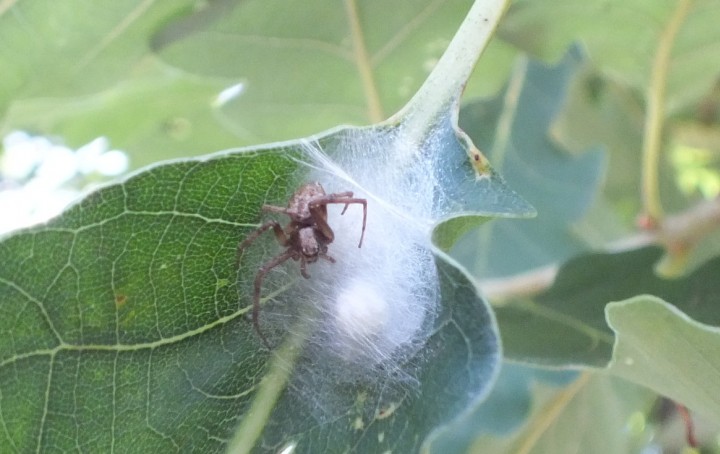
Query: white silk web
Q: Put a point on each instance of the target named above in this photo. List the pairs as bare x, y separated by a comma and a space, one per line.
374, 308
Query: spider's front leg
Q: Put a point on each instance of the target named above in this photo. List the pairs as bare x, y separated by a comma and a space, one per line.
345, 198
277, 229
341, 195
274, 209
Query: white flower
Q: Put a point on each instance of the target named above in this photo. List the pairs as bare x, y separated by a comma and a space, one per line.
38, 178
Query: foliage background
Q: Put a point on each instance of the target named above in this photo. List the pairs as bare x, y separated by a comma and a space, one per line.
559, 103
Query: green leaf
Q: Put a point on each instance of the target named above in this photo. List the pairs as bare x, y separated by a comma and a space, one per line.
660, 347
566, 324
505, 410
593, 414
104, 74
151, 118
600, 110
133, 292
123, 319
384, 414
360, 66
81, 70
515, 129
548, 27
51, 49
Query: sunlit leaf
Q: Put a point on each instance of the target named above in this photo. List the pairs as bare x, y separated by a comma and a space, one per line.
151, 118
548, 27
105, 69
662, 348
340, 81
52, 49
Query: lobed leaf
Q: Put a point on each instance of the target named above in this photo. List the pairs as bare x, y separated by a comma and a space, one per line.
515, 130
124, 316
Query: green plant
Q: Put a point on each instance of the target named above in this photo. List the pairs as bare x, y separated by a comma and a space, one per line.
124, 319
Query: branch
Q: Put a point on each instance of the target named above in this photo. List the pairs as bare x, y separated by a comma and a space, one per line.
652, 140
678, 234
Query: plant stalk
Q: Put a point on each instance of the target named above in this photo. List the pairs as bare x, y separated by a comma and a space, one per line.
363, 63
550, 413
443, 87
652, 143
271, 388
686, 228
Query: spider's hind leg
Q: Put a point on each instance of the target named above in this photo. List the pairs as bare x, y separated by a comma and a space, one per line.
303, 269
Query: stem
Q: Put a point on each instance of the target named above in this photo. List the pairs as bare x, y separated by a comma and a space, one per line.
362, 61
550, 414
687, 419
443, 87
655, 112
687, 228
271, 387
503, 130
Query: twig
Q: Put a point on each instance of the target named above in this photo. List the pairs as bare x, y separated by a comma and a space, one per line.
652, 136
687, 419
677, 234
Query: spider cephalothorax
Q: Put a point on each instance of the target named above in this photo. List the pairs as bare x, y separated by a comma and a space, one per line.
306, 236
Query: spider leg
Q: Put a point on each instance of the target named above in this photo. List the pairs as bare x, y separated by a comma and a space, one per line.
277, 229
279, 234
279, 260
341, 197
274, 209
326, 257
303, 268
318, 210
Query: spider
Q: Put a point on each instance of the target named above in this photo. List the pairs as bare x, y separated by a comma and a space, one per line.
306, 236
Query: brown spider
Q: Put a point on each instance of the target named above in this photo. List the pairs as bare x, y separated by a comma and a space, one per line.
306, 236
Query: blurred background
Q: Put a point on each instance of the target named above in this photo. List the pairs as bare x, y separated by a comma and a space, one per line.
559, 102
